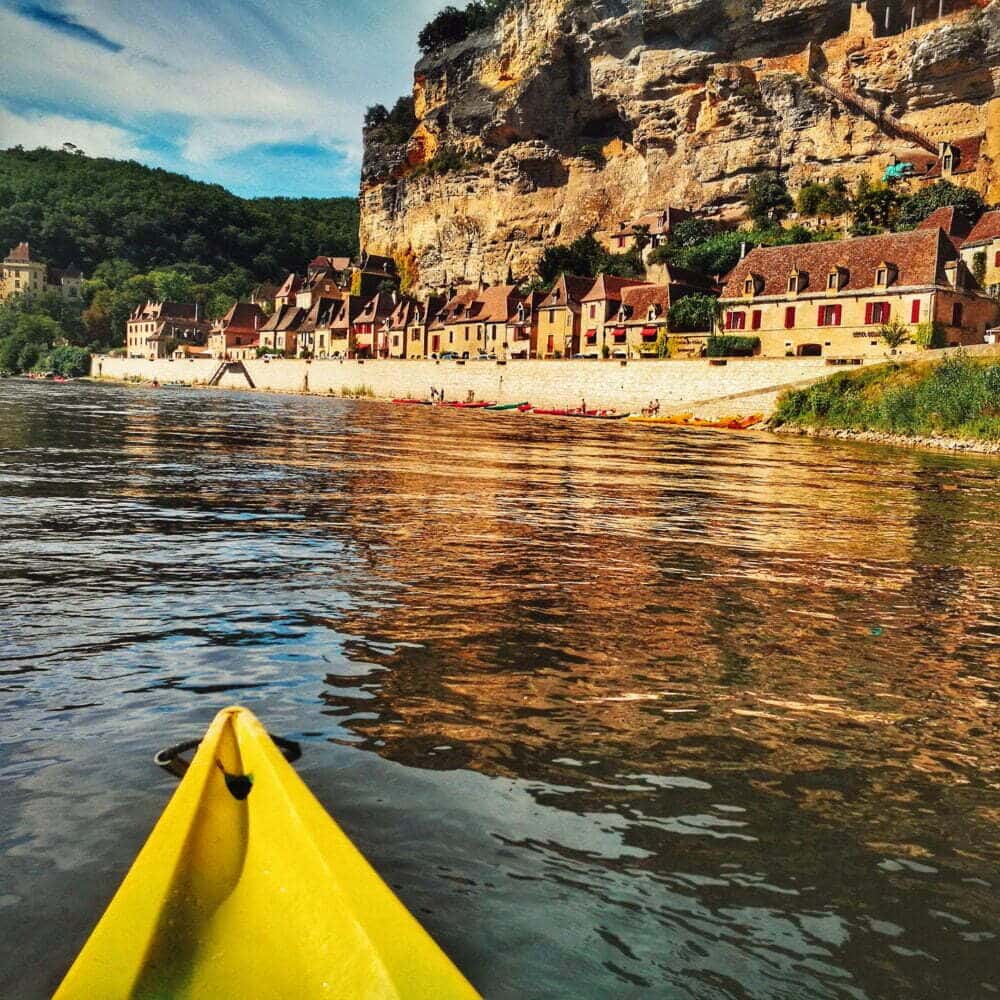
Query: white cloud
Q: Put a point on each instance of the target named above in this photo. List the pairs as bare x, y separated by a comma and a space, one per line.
212, 80
95, 138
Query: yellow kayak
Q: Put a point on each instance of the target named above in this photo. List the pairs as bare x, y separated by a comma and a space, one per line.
247, 888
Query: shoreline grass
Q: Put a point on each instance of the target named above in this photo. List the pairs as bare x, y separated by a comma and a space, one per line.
958, 397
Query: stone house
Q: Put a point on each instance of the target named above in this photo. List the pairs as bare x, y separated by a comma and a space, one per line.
339, 334
454, 328
397, 325
599, 306
314, 330
522, 326
655, 227
280, 331
495, 308
418, 344
557, 331
369, 338
984, 239
236, 336
19, 273
156, 329
288, 292
832, 299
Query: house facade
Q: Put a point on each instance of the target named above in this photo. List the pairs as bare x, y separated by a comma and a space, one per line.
984, 240
522, 326
832, 299
20, 274
419, 342
157, 329
314, 332
558, 327
279, 333
599, 307
653, 228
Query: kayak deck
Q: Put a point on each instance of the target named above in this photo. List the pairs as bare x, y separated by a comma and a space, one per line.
261, 896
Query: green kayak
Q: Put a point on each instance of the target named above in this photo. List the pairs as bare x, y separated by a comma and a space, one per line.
507, 406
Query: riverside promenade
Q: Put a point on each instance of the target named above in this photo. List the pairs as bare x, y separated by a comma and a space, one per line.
707, 388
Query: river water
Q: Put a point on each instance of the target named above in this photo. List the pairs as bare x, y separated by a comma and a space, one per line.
617, 711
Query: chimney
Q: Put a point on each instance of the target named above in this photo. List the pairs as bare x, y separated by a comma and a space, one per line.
743, 249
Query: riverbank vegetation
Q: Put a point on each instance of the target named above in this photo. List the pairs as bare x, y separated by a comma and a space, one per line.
956, 397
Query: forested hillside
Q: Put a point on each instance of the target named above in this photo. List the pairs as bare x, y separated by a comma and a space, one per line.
74, 209
138, 234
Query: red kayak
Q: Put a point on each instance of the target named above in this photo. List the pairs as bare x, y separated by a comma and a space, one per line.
412, 402
466, 406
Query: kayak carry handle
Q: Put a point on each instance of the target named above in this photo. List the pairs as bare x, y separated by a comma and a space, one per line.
171, 760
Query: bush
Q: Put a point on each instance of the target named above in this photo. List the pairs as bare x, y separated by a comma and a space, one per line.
930, 335
593, 154
768, 200
587, 258
730, 346
72, 362
894, 333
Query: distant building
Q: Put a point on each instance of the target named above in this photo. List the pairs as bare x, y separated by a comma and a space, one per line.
832, 299
557, 330
418, 341
600, 306
653, 229
522, 326
984, 240
279, 333
157, 329
19, 274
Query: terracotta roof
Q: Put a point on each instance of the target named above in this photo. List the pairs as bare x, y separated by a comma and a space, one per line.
637, 300
496, 304
455, 309
377, 308
685, 276
986, 229
568, 290
21, 254
948, 218
346, 313
658, 222
427, 310
320, 314
917, 257
608, 287
286, 318
402, 315
289, 287
333, 263
242, 316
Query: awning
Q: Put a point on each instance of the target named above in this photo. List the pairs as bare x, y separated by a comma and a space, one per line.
650, 332
620, 334
591, 336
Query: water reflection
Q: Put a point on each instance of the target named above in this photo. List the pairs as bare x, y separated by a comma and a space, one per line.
617, 711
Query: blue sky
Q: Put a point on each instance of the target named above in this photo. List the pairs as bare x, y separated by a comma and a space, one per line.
263, 98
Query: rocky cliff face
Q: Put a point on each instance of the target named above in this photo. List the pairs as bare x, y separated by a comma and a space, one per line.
573, 115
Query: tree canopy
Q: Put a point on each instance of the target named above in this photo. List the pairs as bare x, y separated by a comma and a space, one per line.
454, 24
84, 211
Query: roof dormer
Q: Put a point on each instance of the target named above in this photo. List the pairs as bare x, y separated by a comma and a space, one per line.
837, 278
797, 281
885, 274
753, 284
653, 312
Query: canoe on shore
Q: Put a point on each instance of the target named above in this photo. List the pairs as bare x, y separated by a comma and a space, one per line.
498, 407
247, 888
686, 420
465, 406
412, 402
584, 414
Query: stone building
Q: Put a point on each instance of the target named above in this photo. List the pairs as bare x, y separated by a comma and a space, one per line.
418, 343
19, 274
983, 242
599, 307
653, 227
157, 329
279, 333
236, 336
314, 331
832, 299
557, 332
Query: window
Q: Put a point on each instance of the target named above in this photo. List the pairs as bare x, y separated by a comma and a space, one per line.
755, 318
793, 283
996, 259
748, 286
829, 315
915, 311
836, 279
956, 314
736, 320
877, 312
947, 163
593, 310
789, 317
451, 337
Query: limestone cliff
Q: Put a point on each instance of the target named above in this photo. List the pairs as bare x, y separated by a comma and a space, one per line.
685, 99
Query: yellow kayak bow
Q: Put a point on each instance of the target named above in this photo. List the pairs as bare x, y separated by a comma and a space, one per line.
247, 888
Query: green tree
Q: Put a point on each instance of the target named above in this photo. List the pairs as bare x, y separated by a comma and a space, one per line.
914, 209
874, 208
693, 314
768, 200
894, 333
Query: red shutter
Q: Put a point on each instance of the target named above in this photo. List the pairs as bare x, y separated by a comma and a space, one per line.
789, 317
755, 319
868, 311
996, 259
886, 312
915, 311
821, 317
837, 314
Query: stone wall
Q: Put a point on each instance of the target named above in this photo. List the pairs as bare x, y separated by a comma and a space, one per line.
699, 386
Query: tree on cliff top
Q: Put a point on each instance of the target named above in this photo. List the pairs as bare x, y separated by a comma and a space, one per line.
453, 25
916, 208
768, 199
587, 258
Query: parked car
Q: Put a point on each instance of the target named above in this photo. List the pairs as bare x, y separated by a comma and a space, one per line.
449, 356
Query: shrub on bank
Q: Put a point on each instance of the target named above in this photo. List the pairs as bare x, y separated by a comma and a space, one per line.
729, 346
958, 396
